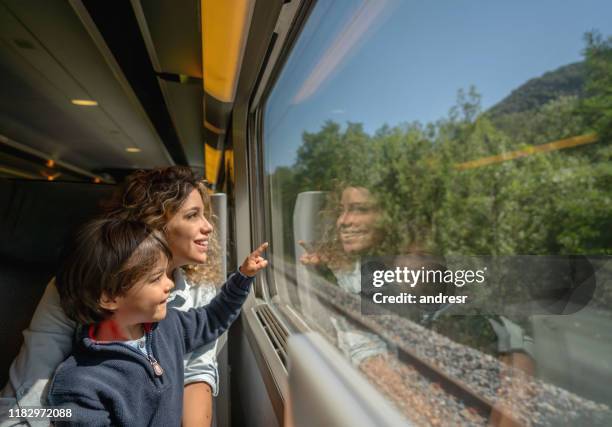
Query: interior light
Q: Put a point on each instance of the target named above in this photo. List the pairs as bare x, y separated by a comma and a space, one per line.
50, 176
84, 102
223, 38
133, 150
97, 180
50, 163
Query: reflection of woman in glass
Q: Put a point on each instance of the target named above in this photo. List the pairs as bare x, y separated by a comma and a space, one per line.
357, 220
355, 231
362, 227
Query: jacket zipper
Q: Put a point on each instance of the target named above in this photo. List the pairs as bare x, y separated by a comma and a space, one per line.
157, 369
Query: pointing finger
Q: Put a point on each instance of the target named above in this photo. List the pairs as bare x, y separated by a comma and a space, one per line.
259, 250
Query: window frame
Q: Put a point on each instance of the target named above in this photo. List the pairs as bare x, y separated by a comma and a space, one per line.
289, 26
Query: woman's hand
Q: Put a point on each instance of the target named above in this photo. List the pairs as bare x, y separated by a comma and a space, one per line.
254, 262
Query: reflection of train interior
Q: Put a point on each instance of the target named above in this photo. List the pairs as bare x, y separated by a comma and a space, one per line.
467, 140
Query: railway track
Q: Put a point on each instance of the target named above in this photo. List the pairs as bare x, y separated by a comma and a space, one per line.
348, 306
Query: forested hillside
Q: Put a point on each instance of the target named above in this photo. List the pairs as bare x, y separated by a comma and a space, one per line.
566, 81
476, 182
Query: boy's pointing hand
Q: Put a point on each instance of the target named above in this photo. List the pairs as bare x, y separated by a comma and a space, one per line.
254, 262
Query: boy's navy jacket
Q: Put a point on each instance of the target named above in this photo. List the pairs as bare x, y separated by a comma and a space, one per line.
115, 384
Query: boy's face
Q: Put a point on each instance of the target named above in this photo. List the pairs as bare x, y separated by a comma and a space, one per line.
146, 301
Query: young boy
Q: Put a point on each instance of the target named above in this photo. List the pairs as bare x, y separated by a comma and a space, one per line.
127, 365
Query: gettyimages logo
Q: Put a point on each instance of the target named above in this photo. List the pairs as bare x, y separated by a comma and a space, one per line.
486, 285
424, 275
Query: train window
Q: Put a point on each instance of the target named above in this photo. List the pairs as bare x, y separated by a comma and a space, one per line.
469, 140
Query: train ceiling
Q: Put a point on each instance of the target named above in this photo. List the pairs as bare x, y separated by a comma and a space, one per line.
93, 89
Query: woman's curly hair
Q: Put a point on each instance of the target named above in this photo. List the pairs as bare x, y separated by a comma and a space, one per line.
154, 196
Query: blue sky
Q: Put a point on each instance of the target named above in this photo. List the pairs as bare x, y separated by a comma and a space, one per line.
394, 61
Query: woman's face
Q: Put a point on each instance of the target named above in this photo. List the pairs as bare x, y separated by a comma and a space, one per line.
357, 221
188, 233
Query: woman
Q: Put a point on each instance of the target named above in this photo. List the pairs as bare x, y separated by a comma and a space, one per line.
174, 201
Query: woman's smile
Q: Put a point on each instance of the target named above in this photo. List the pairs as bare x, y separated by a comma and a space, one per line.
202, 244
351, 234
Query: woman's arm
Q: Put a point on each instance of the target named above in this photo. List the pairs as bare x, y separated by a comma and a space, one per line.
201, 376
201, 364
197, 405
201, 384
46, 343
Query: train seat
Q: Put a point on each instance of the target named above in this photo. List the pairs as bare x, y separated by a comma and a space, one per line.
36, 216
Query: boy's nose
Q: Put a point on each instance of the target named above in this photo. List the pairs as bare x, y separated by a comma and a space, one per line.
169, 285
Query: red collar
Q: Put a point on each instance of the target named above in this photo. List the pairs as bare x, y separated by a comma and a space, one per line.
148, 327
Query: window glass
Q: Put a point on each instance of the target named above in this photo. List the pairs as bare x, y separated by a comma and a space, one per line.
440, 192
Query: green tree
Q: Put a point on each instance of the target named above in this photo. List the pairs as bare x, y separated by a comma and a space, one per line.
597, 106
